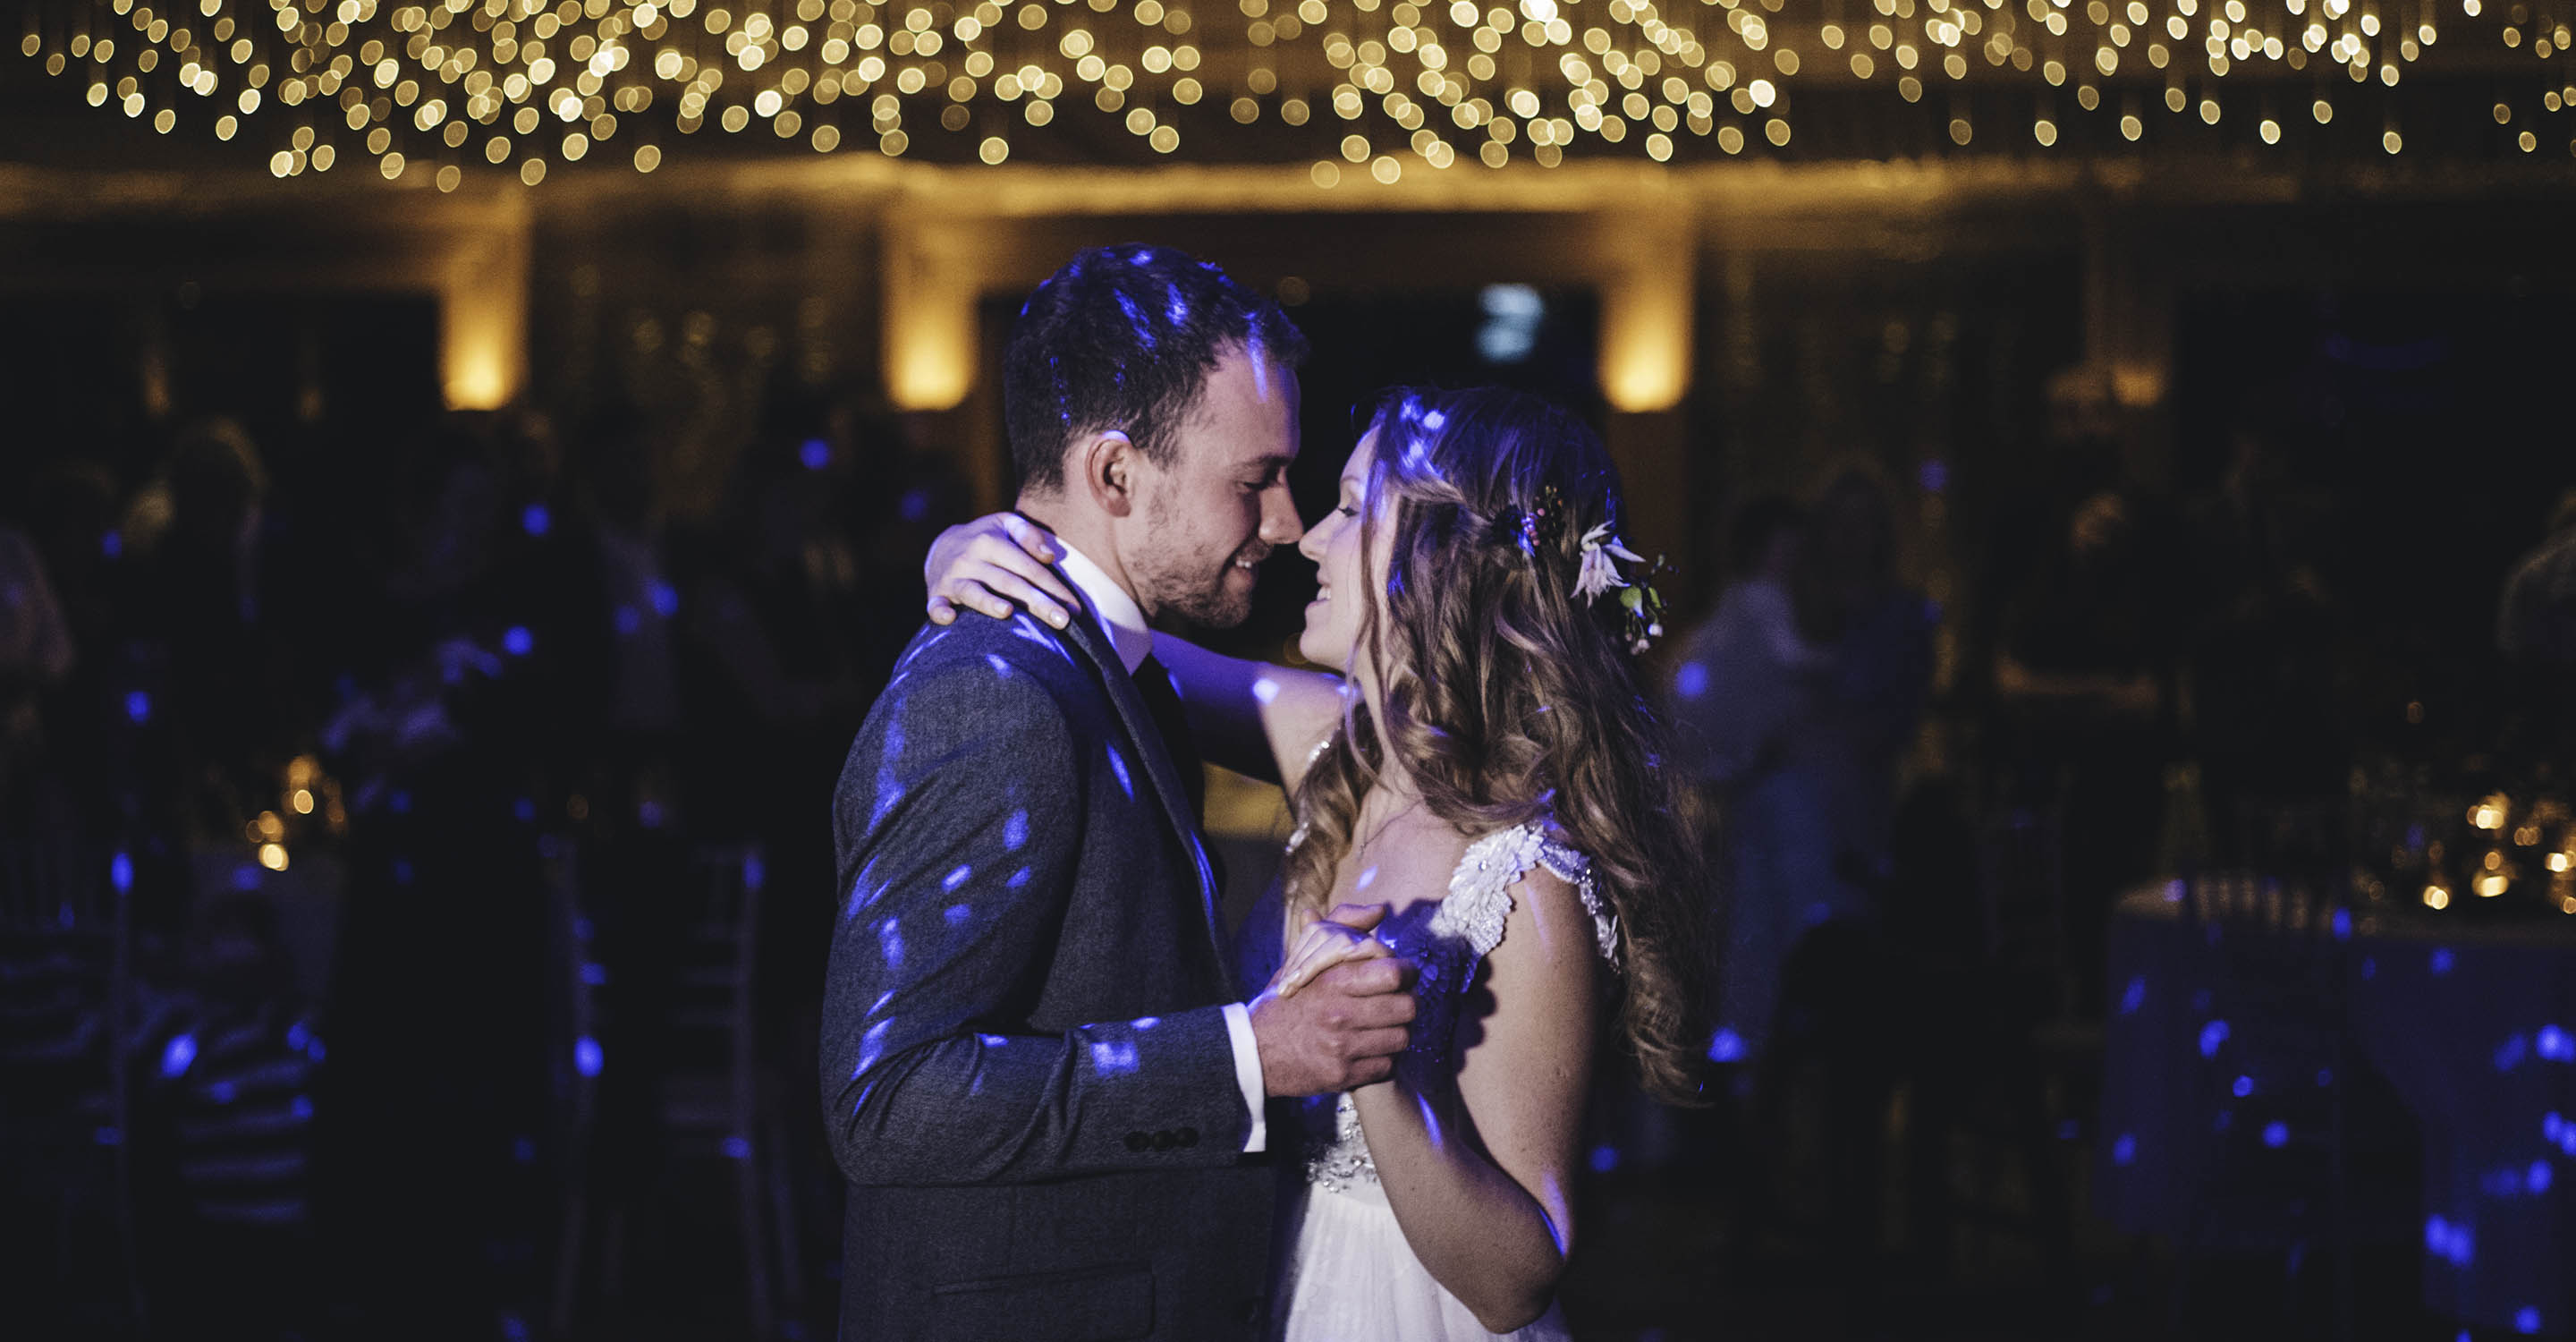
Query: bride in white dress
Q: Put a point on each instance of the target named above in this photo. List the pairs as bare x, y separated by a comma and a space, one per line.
1479, 793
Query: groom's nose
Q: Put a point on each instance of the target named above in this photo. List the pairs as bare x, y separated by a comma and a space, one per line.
1279, 523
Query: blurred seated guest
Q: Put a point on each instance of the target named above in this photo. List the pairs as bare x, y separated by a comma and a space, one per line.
2078, 682
1744, 693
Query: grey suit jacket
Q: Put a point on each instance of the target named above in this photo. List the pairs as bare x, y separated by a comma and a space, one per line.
1027, 1077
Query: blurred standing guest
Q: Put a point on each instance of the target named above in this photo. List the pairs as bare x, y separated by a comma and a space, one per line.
203, 598
2263, 661
613, 614
1880, 634
2079, 684
69, 512
1744, 694
2536, 628
439, 1062
2536, 618
773, 639
35, 654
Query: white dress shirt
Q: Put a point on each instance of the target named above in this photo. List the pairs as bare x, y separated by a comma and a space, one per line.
1124, 622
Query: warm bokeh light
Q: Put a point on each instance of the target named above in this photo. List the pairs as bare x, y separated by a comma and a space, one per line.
1455, 82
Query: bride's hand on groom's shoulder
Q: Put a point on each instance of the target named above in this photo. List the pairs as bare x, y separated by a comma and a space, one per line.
1344, 1020
992, 562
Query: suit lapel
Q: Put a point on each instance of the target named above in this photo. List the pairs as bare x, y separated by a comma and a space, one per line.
1086, 636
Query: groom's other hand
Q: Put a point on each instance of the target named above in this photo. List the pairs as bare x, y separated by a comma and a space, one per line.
1342, 1030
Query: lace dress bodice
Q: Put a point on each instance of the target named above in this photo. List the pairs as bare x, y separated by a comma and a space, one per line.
1447, 939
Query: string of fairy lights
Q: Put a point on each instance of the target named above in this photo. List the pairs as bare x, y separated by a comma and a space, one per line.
1370, 88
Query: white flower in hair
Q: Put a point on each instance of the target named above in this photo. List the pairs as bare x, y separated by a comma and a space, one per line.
1601, 555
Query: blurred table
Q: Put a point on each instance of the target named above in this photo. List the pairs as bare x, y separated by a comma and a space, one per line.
2470, 1023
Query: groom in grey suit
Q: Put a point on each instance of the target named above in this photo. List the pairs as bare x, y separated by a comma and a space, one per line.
1039, 1077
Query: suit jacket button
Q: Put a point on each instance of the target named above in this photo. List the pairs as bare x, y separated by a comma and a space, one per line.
1137, 1141
1165, 1141
1189, 1136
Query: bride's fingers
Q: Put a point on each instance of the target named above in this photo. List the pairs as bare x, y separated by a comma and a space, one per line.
1361, 917
1032, 538
997, 553
942, 611
1323, 954
972, 594
1028, 594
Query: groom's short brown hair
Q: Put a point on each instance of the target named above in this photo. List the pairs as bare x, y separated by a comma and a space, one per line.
1123, 338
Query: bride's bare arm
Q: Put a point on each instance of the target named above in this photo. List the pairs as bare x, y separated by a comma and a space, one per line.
1251, 717
1486, 1197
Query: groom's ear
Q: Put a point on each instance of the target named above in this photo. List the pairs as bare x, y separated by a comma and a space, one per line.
1105, 465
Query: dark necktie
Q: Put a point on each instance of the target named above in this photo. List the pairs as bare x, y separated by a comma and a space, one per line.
1164, 703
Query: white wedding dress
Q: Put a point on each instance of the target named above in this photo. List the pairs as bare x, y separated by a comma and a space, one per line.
1349, 1275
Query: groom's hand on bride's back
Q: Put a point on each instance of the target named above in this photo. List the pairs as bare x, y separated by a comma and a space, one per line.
1341, 1030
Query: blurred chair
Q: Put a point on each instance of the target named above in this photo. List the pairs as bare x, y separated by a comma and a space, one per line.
66, 1107
572, 1032
717, 1103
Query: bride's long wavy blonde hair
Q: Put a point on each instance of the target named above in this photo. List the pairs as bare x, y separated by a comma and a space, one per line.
1507, 697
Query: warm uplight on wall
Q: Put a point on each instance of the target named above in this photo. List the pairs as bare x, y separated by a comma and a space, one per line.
481, 358
1646, 342
483, 316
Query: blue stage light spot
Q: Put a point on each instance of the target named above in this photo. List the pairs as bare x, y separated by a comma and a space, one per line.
2124, 1150
1605, 1159
517, 641
2276, 1134
2212, 1036
586, 1057
176, 1057
815, 454
138, 707
535, 520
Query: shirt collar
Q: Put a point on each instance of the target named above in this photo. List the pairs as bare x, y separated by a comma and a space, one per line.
1120, 617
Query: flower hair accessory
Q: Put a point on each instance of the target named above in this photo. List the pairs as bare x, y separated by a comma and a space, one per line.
1642, 604
1540, 525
